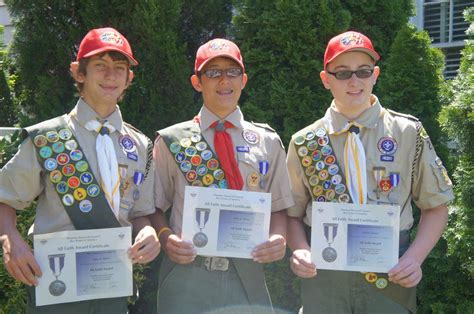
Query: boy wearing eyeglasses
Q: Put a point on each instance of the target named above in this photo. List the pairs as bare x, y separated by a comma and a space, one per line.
363, 153
217, 149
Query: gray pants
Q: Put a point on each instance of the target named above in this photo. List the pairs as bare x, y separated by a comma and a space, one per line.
344, 292
194, 289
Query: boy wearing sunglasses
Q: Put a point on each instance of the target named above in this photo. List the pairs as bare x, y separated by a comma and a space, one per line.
362, 153
217, 149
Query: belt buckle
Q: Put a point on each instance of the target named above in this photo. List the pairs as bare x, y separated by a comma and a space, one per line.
216, 263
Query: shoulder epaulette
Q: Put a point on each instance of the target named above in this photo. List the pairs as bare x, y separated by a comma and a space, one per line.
133, 128
263, 126
405, 115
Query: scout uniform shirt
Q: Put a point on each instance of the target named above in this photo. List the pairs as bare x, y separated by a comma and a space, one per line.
398, 168
254, 147
23, 178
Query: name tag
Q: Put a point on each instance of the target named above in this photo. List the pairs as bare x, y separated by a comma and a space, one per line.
243, 149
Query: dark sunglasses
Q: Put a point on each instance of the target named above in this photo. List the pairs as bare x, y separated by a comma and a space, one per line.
346, 74
231, 73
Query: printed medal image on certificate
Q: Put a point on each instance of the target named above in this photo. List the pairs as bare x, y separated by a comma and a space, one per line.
83, 265
228, 223
355, 237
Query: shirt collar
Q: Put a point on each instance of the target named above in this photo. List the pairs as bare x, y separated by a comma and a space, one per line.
368, 119
83, 113
206, 118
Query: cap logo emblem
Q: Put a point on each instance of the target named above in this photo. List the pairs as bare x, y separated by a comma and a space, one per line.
215, 46
111, 38
352, 39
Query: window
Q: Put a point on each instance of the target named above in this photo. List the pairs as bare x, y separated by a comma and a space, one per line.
444, 22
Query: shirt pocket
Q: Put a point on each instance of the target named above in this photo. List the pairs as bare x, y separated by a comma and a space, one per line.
439, 171
375, 194
250, 170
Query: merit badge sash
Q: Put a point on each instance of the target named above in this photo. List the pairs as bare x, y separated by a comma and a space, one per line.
201, 167
321, 168
67, 167
197, 162
327, 184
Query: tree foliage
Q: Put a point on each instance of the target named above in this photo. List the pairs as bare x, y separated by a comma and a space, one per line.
281, 42
380, 20
7, 108
454, 267
412, 77
47, 37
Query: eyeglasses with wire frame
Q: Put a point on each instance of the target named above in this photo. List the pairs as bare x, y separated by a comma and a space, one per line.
346, 74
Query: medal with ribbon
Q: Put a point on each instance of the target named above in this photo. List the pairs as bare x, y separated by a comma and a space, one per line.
330, 232
202, 216
56, 264
263, 168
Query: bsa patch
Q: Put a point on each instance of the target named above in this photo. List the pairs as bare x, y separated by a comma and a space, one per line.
68, 200
85, 206
40, 141
250, 137
45, 152
310, 135
62, 187
58, 147
127, 143
387, 145
82, 166
191, 176
175, 147
253, 179
86, 178
52, 136
320, 132
299, 140
76, 155
71, 144
65, 134
50, 164
218, 174
80, 194
62, 159
73, 182
93, 190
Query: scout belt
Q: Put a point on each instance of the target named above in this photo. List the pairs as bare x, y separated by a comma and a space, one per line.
67, 168
327, 184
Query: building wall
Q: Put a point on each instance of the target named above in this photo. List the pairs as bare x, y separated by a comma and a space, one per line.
6, 21
444, 22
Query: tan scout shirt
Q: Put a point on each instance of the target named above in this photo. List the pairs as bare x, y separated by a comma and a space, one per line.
23, 179
170, 181
425, 181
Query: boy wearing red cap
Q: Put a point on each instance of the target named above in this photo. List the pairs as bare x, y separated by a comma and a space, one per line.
362, 153
88, 169
218, 148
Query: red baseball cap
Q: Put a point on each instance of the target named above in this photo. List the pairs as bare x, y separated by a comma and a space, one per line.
104, 39
217, 48
349, 41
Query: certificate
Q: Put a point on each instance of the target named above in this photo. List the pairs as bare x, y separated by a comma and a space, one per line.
222, 222
83, 265
355, 237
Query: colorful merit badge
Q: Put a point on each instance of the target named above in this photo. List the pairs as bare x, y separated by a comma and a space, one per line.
320, 166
